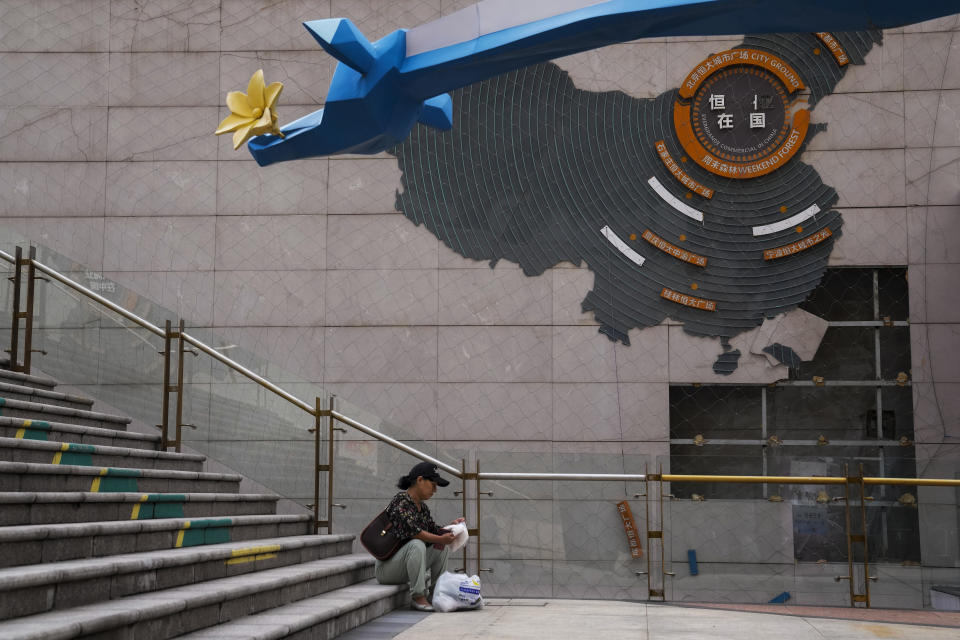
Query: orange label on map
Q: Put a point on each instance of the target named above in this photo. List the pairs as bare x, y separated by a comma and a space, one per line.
798, 246
718, 61
688, 301
673, 250
838, 53
679, 173
630, 527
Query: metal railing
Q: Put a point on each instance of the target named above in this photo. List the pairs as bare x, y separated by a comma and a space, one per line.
653, 483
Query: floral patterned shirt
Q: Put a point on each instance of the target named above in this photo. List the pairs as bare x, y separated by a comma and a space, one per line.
409, 520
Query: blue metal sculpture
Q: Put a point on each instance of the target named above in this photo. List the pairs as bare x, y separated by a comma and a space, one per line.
381, 90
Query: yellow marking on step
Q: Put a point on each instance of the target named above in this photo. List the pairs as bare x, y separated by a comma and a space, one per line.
252, 554
262, 556
136, 508
59, 454
248, 551
95, 486
180, 533
27, 423
20, 433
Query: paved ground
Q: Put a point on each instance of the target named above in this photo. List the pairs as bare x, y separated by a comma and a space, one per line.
505, 619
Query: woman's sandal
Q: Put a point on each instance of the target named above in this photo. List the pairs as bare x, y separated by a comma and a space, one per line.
420, 607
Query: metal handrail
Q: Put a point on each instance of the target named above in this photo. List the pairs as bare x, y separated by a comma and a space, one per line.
289, 397
359, 426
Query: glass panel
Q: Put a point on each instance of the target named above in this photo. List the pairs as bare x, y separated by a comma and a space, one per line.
843, 294
6, 305
894, 293
716, 460
715, 412
897, 412
894, 352
846, 353
98, 354
805, 413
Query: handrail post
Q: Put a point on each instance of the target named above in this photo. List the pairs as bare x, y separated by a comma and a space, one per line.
165, 398
180, 350
480, 568
463, 504
15, 325
856, 537
330, 468
28, 325
317, 417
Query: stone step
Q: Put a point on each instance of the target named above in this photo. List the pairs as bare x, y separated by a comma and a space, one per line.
31, 476
41, 507
35, 381
30, 394
173, 612
95, 455
40, 430
42, 411
35, 544
36, 589
328, 615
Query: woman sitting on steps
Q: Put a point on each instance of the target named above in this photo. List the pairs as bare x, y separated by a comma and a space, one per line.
427, 546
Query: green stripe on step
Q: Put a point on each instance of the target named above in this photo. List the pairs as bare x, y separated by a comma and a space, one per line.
168, 510
80, 459
79, 448
166, 497
128, 473
118, 485
211, 522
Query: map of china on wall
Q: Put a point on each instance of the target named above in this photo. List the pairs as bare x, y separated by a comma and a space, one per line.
694, 205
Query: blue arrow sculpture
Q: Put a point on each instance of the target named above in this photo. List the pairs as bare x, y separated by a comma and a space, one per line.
380, 90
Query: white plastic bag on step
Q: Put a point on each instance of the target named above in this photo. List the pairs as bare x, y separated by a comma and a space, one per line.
460, 531
457, 591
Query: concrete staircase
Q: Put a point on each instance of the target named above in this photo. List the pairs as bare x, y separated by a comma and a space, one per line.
104, 535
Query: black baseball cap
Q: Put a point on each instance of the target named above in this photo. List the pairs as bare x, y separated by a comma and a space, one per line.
429, 471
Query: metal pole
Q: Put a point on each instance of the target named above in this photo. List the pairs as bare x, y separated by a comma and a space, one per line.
846, 502
866, 547
15, 325
28, 328
463, 503
330, 454
179, 429
480, 568
316, 467
165, 399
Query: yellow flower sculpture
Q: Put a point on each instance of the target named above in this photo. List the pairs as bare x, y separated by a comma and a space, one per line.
252, 114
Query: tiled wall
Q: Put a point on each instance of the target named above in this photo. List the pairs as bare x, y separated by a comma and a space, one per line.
107, 156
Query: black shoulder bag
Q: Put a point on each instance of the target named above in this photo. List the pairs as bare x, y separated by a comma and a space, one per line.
380, 537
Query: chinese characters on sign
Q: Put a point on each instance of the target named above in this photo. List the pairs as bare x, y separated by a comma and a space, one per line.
838, 53
630, 527
797, 247
688, 301
679, 173
674, 251
758, 119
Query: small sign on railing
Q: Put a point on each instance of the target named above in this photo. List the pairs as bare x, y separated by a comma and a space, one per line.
630, 527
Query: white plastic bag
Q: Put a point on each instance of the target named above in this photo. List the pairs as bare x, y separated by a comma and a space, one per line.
457, 591
460, 531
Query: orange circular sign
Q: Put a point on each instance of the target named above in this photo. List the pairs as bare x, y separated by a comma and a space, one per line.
736, 114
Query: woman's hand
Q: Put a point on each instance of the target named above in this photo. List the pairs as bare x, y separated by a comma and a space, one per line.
445, 538
459, 520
